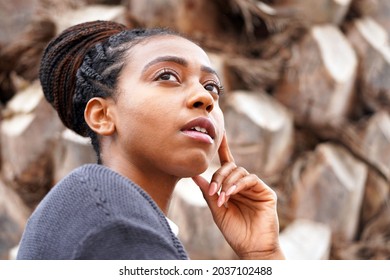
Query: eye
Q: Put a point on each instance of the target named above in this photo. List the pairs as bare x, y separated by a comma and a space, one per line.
167, 75
214, 88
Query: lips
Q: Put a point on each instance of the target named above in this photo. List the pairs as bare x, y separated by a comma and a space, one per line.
201, 129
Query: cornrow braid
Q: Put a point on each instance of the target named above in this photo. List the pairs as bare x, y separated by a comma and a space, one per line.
62, 59
83, 62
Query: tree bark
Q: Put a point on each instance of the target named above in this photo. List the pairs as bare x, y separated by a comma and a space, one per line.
260, 133
318, 85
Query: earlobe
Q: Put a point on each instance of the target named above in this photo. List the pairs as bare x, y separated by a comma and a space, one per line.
98, 116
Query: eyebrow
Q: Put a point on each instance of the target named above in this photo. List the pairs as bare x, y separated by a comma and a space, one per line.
177, 60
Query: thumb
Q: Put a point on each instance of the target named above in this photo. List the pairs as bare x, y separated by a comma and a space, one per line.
204, 186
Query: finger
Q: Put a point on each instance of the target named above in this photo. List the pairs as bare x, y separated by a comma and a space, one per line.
220, 175
254, 188
221, 199
231, 180
224, 152
212, 201
238, 181
229, 186
205, 187
202, 183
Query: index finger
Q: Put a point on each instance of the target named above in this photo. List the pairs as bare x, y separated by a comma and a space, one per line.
224, 152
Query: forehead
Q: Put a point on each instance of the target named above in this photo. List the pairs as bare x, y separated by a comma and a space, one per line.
167, 45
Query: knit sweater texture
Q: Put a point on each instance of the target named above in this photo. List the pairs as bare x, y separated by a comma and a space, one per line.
95, 213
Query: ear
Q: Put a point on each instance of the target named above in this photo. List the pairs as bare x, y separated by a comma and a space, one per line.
98, 115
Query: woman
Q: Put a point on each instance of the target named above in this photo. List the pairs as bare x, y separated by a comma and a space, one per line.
148, 99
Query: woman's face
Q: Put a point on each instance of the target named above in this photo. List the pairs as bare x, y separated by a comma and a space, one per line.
167, 113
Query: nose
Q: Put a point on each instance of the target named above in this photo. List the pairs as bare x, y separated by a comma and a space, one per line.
200, 98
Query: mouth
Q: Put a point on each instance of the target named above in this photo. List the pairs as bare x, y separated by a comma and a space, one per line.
201, 129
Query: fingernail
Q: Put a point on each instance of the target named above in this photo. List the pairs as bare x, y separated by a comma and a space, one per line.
213, 188
231, 190
221, 199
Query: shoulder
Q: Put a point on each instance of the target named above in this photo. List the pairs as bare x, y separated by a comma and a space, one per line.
94, 192
126, 239
96, 183
95, 205
111, 191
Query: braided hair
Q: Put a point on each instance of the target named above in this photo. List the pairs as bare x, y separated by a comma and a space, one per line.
83, 62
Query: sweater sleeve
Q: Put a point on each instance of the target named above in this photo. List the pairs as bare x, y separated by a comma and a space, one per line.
121, 240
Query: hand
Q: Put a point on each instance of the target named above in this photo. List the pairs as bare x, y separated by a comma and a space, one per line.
248, 219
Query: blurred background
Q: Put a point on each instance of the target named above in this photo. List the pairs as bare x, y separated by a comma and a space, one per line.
307, 108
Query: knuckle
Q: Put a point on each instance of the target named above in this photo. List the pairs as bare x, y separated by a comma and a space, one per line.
254, 177
224, 171
273, 194
242, 170
219, 174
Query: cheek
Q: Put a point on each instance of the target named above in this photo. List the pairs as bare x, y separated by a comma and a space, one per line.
147, 119
219, 123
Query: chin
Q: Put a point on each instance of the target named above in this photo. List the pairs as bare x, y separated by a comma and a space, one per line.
188, 165
191, 169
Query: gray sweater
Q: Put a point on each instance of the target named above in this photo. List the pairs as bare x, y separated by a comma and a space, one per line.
95, 213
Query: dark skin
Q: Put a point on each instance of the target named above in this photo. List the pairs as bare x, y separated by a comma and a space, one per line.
165, 124
244, 210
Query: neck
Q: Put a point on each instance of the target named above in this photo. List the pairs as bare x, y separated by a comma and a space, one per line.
157, 184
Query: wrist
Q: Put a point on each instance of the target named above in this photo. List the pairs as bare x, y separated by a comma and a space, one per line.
276, 254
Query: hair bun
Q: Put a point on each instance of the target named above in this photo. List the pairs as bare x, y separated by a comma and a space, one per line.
62, 58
